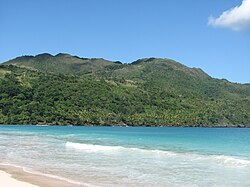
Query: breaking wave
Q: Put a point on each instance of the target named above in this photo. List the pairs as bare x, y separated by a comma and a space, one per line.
219, 159
104, 148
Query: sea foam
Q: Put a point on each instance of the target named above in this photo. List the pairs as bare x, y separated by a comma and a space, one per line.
92, 147
232, 161
104, 148
220, 159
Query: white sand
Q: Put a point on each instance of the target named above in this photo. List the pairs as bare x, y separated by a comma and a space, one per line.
11, 176
7, 181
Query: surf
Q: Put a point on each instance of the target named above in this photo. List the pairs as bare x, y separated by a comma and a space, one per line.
219, 159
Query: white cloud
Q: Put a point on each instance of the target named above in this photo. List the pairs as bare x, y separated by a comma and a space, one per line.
237, 18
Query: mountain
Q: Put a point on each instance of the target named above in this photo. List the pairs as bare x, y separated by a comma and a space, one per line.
65, 89
61, 63
65, 63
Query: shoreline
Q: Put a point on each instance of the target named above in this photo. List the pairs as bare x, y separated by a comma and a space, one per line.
12, 176
161, 126
7, 180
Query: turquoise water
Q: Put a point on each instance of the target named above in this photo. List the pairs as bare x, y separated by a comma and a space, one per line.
129, 156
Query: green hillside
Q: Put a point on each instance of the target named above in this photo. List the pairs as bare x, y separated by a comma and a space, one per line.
65, 89
61, 63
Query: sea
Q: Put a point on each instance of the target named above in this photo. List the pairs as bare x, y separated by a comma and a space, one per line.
130, 156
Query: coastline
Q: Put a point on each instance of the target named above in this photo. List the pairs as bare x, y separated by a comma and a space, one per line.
12, 176
117, 125
120, 156
7, 180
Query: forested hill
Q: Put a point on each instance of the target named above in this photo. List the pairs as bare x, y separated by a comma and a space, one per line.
65, 89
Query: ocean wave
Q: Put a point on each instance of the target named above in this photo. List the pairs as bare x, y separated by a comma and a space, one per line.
105, 148
193, 157
232, 161
92, 147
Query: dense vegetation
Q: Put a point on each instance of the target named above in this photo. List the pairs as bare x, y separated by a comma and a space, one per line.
63, 90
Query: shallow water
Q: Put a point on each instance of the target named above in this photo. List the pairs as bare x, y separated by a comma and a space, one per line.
120, 156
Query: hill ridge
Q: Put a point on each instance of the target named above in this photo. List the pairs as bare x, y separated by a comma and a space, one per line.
66, 63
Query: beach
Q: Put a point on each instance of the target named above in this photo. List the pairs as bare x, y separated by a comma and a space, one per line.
54, 156
11, 176
8, 181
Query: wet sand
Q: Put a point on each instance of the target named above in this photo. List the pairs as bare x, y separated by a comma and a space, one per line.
8, 181
15, 177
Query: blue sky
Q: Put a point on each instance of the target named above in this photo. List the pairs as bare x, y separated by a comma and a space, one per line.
189, 31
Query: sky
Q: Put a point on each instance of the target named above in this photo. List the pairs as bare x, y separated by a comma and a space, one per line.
210, 34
